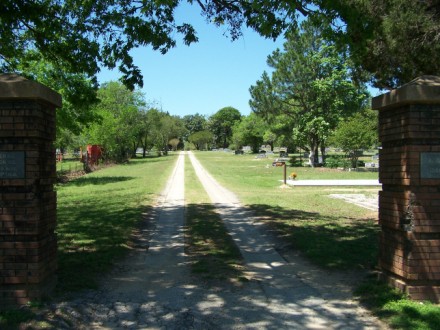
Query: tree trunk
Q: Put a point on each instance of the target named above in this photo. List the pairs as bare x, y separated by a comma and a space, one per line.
323, 153
312, 157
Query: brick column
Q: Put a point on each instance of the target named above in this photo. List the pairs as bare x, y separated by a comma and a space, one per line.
27, 199
409, 203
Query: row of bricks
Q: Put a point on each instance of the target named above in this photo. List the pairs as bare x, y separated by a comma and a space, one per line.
29, 182
405, 121
403, 227
46, 134
414, 272
413, 254
26, 203
22, 279
26, 259
407, 182
30, 231
35, 224
25, 244
29, 211
423, 111
425, 209
405, 136
8, 220
387, 130
31, 125
406, 148
20, 189
43, 196
417, 219
409, 265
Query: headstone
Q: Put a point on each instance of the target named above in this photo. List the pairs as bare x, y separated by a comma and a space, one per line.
28, 201
409, 211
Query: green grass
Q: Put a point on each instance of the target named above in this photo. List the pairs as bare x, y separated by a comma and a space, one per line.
397, 310
330, 232
69, 165
211, 249
11, 319
97, 214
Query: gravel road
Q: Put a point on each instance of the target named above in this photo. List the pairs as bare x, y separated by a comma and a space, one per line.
154, 289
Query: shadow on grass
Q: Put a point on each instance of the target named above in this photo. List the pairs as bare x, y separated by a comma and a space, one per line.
90, 180
91, 237
329, 241
209, 245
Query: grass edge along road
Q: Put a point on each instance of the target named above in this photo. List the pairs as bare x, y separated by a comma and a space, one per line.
97, 214
331, 233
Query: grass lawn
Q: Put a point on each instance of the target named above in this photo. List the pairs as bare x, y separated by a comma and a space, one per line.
330, 232
96, 215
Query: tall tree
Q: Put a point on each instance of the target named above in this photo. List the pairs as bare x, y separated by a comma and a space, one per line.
356, 133
311, 84
201, 139
249, 131
117, 131
194, 123
167, 128
221, 123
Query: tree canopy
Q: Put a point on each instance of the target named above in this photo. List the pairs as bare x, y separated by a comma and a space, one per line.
221, 123
311, 84
390, 41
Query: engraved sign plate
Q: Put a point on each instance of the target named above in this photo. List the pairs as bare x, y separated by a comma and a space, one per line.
12, 165
430, 165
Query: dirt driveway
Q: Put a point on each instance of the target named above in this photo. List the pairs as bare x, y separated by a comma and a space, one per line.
153, 288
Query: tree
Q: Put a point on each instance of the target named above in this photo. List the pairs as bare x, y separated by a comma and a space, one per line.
201, 139
167, 128
118, 129
355, 134
249, 131
78, 94
221, 123
394, 40
194, 123
174, 142
311, 84
147, 133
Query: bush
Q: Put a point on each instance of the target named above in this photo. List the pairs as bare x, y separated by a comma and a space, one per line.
337, 161
295, 162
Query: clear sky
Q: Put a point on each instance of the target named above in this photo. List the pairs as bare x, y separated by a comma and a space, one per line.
206, 76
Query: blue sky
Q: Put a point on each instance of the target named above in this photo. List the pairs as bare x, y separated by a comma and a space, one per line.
206, 76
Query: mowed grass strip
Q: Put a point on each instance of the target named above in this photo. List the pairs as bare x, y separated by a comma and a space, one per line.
213, 254
97, 214
330, 232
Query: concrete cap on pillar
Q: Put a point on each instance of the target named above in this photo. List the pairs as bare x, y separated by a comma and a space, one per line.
422, 90
13, 86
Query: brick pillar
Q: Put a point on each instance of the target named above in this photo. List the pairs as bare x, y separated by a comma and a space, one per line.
27, 198
409, 203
